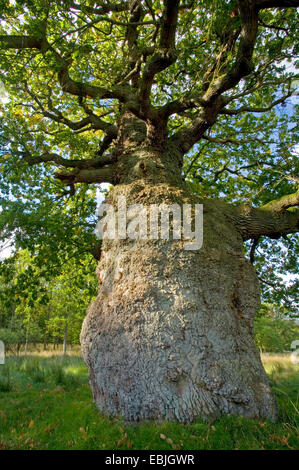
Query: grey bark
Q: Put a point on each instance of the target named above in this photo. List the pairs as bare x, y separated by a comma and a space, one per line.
170, 334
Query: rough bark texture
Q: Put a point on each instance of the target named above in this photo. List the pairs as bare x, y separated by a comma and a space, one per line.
170, 335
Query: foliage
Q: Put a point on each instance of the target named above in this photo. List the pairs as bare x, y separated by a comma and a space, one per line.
275, 334
35, 309
12, 339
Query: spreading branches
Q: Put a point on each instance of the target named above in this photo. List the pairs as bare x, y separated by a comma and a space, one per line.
230, 140
261, 4
149, 48
186, 137
221, 79
95, 170
179, 106
81, 89
233, 62
213, 100
19, 42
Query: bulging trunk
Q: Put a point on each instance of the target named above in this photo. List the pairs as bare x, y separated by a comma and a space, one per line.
170, 334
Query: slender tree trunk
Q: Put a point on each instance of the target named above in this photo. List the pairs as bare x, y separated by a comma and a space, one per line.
65, 338
45, 335
170, 334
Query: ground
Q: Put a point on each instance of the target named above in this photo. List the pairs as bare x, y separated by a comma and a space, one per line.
46, 403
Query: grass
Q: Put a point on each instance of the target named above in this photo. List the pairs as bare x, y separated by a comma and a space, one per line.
46, 403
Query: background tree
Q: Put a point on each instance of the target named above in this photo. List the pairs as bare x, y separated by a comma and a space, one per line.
169, 102
35, 309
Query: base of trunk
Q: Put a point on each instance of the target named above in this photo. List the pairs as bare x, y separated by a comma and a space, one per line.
170, 335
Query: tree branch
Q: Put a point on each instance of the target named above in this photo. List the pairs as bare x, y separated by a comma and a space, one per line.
81, 89
55, 115
229, 140
132, 33
273, 220
253, 248
187, 137
234, 172
19, 42
93, 120
242, 65
212, 101
106, 8
189, 101
164, 54
57, 160
249, 109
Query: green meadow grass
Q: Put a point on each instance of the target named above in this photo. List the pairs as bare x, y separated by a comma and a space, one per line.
46, 403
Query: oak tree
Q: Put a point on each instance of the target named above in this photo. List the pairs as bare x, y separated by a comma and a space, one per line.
170, 102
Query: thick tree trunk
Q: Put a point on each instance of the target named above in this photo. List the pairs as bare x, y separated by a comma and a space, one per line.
170, 335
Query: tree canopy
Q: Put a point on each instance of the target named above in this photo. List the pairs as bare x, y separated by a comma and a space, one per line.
215, 79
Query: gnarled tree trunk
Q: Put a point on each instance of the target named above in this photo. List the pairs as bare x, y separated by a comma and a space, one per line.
170, 335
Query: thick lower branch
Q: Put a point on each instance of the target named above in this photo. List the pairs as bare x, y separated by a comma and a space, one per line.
261, 4
254, 222
91, 175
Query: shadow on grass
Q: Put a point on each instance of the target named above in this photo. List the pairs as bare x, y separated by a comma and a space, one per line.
46, 403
